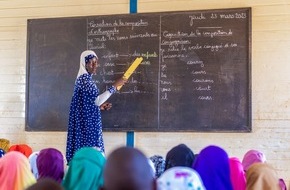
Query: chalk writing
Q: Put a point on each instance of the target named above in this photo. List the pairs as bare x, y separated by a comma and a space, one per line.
99, 31
219, 33
195, 73
209, 98
196, 17
201, 72
182, 45
233, 16
117, 23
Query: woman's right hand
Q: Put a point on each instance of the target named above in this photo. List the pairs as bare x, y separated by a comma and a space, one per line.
120, 82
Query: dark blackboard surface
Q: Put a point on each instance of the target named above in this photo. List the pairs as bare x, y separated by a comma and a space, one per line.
195, 74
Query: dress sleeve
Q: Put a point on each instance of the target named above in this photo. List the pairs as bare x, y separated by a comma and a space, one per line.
105, 96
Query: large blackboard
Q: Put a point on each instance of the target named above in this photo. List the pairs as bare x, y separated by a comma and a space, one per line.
195, 76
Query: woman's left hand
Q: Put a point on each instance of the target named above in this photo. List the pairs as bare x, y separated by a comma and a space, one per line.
106, 106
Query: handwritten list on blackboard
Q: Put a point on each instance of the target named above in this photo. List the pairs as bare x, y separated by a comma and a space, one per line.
195, 73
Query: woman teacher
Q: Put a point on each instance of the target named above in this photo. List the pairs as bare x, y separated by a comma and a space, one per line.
85, 125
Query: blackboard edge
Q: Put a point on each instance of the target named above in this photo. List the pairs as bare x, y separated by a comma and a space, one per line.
139, 13
27, 77
250, 70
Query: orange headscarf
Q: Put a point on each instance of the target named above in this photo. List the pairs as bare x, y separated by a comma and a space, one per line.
15, 172
262, 176
23, 148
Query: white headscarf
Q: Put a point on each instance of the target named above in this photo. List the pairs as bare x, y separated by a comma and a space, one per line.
82, 69
180, 178
32, 161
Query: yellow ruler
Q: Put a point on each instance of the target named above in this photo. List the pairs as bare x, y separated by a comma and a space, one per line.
131, 69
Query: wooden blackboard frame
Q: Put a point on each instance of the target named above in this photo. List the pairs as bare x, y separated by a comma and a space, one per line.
54, 117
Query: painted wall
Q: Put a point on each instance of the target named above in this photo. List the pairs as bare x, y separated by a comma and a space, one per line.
270, 77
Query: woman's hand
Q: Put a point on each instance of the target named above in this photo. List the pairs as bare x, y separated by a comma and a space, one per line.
105, 106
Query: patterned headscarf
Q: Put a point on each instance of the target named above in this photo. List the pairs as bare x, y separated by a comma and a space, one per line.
33, 164
159, 164
23, 148
15, 172
2, 152
251, 157
89, 57
85, 170
84, 58
262, 176
50, 163
179, 155
238, 176
180, 178
213, 166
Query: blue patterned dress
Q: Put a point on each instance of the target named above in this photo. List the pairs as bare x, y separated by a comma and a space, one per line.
85, 125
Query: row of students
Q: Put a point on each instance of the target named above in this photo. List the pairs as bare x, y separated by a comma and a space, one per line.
219, 171
128, 168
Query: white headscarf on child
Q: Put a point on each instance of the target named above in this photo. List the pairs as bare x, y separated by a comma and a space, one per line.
32, 161
180, 178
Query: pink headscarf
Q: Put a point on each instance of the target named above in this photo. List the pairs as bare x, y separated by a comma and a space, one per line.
15, 172
238, 176
251, 157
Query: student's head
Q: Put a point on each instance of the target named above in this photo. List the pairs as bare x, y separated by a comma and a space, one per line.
262, 176
85, 171
238, 177
15, 172
46, 184
50, 163
212, 164
23, 148
32, 161
2, 152
180, 178
5, 144
128, 169
159, 164
179, 155
251, 157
